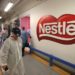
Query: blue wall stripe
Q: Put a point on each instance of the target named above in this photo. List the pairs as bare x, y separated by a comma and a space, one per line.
54, 57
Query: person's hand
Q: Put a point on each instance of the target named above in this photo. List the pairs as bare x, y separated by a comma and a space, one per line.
27, 50
4, 67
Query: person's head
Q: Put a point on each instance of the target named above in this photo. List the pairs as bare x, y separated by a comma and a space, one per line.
23, 28
5, 28
17, 23
16, 33
0, 29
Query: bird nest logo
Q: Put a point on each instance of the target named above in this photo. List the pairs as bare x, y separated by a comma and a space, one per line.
61, 30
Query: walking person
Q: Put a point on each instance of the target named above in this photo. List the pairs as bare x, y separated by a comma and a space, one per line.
11, 54
24, 39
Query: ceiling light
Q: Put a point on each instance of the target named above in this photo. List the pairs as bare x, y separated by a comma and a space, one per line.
8, 7
0, 17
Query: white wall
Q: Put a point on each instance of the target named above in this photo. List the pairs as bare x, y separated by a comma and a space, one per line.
55, 8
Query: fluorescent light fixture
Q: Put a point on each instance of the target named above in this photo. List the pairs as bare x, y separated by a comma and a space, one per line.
0, 17
8, 7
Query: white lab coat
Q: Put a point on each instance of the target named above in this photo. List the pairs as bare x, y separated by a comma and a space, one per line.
11, 54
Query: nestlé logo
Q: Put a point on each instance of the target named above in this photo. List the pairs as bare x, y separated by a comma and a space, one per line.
61, 30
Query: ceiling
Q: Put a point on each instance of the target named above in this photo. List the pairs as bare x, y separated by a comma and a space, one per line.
18, 5
3, 4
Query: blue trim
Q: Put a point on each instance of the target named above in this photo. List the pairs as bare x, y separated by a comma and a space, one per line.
53, 57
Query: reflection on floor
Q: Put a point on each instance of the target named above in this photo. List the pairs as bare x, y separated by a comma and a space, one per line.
34, 67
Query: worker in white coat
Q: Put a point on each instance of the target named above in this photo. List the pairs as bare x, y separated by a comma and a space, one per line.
11, 54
